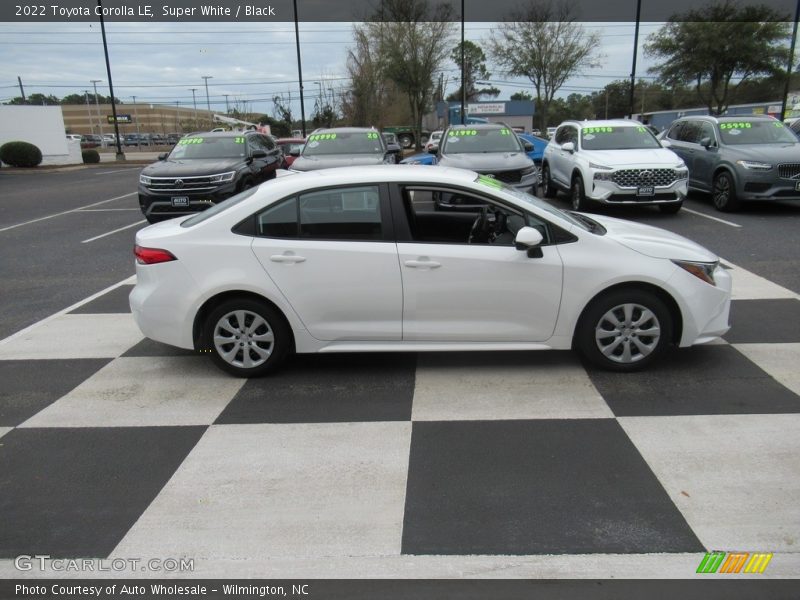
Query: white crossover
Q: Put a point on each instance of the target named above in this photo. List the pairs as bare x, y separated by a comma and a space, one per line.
613, 162
379, 258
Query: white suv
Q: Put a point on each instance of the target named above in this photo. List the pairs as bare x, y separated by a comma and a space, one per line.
613, 162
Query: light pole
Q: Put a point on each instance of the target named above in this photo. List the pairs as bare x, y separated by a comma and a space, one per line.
208, 102
227, 109
194, 101
635, 49
136, 118
97, 104
299, 70
89, 111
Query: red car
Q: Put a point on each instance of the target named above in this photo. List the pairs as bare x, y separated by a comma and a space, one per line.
292, 148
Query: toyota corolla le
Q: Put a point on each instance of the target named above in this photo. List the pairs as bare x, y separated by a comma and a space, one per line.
418, 259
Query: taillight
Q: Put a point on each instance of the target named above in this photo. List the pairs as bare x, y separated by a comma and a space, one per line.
152, 256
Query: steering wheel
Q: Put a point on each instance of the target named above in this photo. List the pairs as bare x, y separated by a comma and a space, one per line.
479, 233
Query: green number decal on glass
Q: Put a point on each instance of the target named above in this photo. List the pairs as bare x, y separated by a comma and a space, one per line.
187, 141
504, 132
318, 137
593, 130
462, 133
238, 140
490, 181
370, 136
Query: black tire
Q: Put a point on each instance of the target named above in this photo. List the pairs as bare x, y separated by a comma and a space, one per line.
723, 192
670, 209
264, 355
577, 195
548, 189
604, 344
406, 140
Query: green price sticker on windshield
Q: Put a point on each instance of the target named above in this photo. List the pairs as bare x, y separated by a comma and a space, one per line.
593, 130
238, 140
738, 125
188, 141
370, 136
505, 132
319, 137
462, 132
490, 181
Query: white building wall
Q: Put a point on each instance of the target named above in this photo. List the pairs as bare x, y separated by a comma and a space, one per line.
42, 126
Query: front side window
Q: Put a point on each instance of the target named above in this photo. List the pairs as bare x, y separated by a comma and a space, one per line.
476, 141
755, 132
615, 137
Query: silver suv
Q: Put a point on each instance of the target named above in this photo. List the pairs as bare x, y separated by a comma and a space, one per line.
738, 158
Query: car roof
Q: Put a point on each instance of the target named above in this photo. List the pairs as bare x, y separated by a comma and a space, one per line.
604, 123
479, 126
220, 134
290, 140
726, 118
344, 129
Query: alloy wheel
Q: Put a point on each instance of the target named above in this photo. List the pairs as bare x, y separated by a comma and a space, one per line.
243, 339
627, 333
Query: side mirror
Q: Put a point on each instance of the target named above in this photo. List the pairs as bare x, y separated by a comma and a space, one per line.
433, 149
705, 142
569, 147
528, 239
528, 146
665, 143
162, 156
295, 152
259, 154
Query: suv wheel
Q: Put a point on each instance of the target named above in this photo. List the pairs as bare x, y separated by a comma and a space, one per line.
406, 141
548, 189
624, 330
245, 337
578, 194
723, 192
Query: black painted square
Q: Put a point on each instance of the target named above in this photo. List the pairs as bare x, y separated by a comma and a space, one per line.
76, 492
115, 301
29, 386
764, 321
148, 347
318, 388
535, 487
702, 380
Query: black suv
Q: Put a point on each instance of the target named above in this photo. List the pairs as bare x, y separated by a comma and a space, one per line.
203, 169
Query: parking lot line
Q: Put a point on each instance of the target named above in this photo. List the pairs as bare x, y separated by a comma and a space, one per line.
106, 209
116, 171
65, 212
700, 214
102, 235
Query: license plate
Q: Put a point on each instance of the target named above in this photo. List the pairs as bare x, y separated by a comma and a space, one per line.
797, 186
646, 190
180, 201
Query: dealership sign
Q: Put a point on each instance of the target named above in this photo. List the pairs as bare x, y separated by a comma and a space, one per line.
487, 108
120, 119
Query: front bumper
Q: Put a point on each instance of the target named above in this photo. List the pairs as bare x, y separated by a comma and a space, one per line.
161, 206
766, 185
705, 308
608, 192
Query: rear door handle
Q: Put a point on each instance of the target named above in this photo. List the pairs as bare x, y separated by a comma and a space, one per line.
287, 258
423, 263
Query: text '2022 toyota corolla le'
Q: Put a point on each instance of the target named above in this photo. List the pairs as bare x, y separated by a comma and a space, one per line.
418, 259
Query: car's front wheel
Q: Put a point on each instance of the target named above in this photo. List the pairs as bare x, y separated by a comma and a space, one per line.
578, 194
723, 192
624, 330
246, 338
548, 189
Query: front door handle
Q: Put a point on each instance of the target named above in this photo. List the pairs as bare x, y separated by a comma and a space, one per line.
422, 263
287, 258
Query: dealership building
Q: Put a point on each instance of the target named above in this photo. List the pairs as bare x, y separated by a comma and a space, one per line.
150, 118
514, 113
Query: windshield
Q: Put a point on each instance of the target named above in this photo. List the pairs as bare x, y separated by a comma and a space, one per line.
348, 142
533, 200
474, 141
755, 132
211, 147
617, 138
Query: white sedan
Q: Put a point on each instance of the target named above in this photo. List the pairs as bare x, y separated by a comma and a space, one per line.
418, 259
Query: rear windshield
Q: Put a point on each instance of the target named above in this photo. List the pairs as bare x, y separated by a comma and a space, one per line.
617, 138
755, 132
351, 142
475, 141
211, 147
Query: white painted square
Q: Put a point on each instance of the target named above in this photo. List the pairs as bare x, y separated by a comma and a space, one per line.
152, 391
5, 430
74, 336
734, 477
782, 361
749, 286
472, 391
299, 490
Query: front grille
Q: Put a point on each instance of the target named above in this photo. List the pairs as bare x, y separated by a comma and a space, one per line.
789, 171
631, 178
181, 184
514, 176
627, 198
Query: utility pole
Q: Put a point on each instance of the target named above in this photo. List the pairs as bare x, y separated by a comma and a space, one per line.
791, 60
97, 104
635, 49
120, 153
136, 118
463, 70
21, 90
227, 109
299, 69
89, 111
208, 102
177, 112
194, 101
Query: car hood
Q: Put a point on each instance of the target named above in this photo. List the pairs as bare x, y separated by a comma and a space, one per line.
653, 241
191, 167
311, 163
639, 157
765, 153
486, 161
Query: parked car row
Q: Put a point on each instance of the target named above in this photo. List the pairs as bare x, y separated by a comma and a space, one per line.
131, 139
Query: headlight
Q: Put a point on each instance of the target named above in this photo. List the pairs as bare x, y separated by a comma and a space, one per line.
222, 177
681, 172
601, 167
527, 171
145, 180
701, 270
754, 166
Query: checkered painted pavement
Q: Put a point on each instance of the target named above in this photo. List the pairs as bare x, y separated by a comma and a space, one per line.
524, 464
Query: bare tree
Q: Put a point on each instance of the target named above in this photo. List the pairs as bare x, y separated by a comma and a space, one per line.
543, 43
407, 42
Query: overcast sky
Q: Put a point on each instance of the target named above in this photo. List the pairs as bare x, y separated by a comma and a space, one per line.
160, 62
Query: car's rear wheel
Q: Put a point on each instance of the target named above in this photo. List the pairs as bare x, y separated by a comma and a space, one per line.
246, 338
670, 209
578, 194
406, 141
548, 189
723, 192
624, 330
